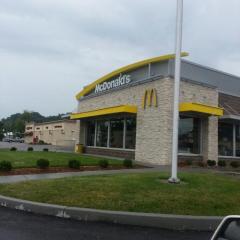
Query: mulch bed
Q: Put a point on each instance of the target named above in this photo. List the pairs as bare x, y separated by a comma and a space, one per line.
25, 171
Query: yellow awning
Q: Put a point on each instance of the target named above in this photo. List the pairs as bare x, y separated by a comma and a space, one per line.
106, 111
200, 108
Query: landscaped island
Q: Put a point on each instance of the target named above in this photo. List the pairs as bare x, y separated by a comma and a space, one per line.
199, 194
20, 159
30, 162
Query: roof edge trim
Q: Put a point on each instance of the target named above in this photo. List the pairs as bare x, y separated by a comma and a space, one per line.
129, 67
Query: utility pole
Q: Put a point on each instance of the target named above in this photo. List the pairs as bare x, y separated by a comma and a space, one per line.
179, 21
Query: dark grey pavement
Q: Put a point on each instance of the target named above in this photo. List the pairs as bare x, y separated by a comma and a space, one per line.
17, 225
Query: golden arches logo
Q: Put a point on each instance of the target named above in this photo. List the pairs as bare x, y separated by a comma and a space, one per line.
149, 98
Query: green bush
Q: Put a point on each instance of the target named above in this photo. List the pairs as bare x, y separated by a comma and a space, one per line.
211, 163
43, 163
13, 149
127, 163
201, 164
189, 162
5, 166
30, 149
222, 163
103, 163
41, 142
45, 149
235, 164
75, 164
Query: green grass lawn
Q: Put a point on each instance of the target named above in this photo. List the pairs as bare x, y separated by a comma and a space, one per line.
202, 194
20, 159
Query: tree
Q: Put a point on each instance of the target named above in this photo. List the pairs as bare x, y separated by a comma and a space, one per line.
1, 130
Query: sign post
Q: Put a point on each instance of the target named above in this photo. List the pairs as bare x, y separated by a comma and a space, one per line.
174, 178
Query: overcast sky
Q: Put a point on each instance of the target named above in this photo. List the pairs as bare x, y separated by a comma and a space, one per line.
50, 49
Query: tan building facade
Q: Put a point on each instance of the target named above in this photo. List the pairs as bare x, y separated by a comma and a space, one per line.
58, 133
128, 113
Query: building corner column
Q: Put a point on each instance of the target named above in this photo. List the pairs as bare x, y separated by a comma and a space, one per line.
210, 139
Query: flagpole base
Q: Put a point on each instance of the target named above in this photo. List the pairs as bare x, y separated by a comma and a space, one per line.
174, 180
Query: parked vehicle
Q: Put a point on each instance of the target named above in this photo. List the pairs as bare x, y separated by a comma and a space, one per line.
229, 229
19, 140
6, 139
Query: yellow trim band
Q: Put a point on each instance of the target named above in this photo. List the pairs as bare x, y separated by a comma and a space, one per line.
106, 111
200, 108
130, 67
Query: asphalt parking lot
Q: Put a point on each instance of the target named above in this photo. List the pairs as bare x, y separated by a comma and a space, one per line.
18, 225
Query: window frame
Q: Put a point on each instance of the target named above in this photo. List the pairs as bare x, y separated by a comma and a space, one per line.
200, 137
108, 119
234, 127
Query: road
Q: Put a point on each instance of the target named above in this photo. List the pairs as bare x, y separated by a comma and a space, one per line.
17, 225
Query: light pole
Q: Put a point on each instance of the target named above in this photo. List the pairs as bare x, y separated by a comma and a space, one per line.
174, 178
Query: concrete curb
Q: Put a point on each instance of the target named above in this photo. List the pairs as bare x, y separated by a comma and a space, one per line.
165, 221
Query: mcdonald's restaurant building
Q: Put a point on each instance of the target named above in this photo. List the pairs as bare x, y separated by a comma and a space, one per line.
128, 113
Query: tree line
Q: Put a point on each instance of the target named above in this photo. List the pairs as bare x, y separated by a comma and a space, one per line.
16, 122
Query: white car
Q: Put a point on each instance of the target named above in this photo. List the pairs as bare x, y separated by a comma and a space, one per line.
6, 139
19, 140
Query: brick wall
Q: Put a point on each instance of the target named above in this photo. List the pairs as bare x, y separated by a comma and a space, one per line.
154, 124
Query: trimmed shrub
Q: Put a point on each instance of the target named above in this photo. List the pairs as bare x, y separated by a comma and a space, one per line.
127, 163
42, 163
13, 149
202, 164
5, 166
30, 149
222, 163
75, 164
103, 163
41, 142
189, 162
235, 164
45, 149
211, 163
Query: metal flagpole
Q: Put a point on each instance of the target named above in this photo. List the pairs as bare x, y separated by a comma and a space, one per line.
174, 178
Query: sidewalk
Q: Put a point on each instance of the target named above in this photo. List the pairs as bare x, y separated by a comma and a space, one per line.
29, 177
20, 178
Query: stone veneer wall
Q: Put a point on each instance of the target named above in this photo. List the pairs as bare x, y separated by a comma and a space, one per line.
154, 124
206, 95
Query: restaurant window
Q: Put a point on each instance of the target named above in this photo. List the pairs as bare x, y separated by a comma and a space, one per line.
102, 133
237, 141
225, 139
130, 140
189, 135
90, 133
114, 130
116, 133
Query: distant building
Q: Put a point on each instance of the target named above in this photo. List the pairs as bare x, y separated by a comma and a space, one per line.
59, 133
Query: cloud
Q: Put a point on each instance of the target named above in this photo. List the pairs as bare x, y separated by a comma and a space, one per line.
50, 49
